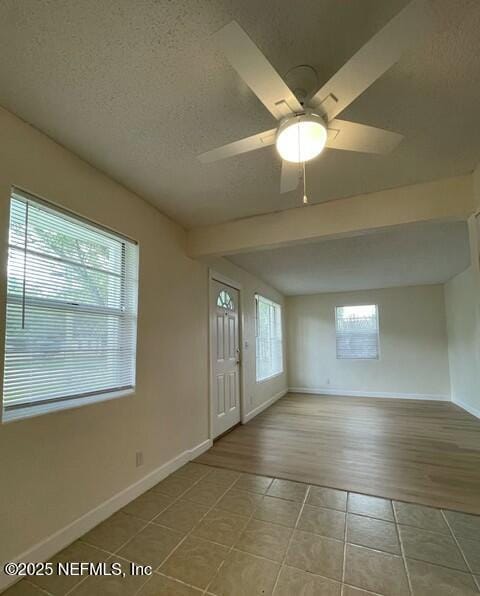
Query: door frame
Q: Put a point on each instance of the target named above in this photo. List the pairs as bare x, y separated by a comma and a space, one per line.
223, 279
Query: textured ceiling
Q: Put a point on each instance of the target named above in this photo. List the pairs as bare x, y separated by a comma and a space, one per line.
402, 256
138, 89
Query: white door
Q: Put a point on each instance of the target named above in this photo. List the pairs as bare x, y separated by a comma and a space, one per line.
225, 357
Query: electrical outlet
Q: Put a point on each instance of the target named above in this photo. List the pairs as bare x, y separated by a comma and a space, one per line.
328, 381
139, 459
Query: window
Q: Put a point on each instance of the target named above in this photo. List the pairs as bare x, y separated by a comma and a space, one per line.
224, 300
357, 332
71, 315
269, 338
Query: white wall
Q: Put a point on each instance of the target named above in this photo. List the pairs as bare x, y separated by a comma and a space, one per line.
462, 299
461, 303
56, 467
413, 344
257, 395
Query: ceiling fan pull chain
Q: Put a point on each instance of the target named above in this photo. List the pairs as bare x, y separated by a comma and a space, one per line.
305, 198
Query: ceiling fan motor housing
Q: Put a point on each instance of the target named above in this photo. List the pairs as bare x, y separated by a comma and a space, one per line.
303, 81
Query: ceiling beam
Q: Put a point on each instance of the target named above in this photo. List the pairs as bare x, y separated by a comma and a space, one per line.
450, 198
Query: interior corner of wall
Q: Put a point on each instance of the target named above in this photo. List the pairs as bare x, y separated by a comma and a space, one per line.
474, 241
476, 187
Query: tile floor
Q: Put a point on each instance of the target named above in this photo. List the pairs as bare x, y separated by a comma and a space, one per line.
207, 530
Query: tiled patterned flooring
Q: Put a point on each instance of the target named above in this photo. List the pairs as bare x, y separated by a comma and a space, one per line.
208, 530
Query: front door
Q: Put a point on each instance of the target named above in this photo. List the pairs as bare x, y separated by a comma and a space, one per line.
225, 347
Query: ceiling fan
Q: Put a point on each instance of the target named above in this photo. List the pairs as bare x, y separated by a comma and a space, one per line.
307, 114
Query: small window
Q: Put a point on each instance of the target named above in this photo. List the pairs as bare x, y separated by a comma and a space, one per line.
224, 300
357, 332
71, 315
269, 358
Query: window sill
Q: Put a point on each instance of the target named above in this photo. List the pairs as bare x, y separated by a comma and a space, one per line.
359, 359
270, 378
59, 406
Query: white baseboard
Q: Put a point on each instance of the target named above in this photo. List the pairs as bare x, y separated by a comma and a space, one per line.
348, 393
467, 407
44, 550
263, 406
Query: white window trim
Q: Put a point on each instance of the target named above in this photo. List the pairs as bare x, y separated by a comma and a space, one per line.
282, 368
274, 376
19, 411
69, 403
377, 358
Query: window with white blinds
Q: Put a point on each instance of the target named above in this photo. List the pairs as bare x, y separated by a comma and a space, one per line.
357, 332
269, 353
71, 315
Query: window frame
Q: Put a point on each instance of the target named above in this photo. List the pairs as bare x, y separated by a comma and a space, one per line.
28, 408
260, 297
363, 358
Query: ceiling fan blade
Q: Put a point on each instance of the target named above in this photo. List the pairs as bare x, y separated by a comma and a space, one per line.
257, 71
352, 136
263, 139
291, 174
379, 54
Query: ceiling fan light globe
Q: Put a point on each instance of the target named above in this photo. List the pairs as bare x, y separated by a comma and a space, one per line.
301, 138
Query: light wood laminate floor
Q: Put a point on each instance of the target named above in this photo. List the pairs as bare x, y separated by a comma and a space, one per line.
420, 451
